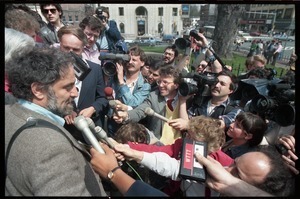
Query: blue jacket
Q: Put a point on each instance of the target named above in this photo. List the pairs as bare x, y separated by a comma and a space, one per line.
140, 92
112, 35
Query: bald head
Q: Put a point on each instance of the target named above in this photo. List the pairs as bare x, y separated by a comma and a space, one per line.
253, 167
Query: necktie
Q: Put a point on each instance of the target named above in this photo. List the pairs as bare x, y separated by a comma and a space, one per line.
169, 104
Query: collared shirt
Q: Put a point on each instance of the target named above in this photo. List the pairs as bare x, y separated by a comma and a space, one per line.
42, 110
91, 54
174, 102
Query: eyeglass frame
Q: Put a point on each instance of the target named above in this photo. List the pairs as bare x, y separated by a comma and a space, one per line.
52, 10
158, 82
202, 65
89, 35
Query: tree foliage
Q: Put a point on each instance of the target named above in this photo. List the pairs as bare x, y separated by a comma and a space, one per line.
226, 28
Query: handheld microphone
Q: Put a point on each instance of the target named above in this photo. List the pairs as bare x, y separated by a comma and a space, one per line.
82, 125
150, 112
109, 93
113, 105
101, 134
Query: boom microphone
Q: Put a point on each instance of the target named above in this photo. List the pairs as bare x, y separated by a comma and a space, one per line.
150, 112
112, 56
82, 125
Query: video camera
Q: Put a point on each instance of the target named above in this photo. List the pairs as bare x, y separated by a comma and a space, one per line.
109, 67
80, 67
271, 99
99, 13
200, 85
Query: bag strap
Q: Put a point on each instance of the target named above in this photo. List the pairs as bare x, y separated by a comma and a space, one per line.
33, 123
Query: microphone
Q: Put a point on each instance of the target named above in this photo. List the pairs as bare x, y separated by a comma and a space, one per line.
113, 105
101, 134
150, 112
82, 125
109, 93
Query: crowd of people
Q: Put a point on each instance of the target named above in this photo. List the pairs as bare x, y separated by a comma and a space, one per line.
54, 75
271, 50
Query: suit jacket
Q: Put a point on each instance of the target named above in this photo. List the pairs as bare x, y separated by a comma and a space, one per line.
42, 162
158, 104
92, 93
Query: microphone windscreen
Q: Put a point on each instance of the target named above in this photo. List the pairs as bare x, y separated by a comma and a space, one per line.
112, 103
108, 91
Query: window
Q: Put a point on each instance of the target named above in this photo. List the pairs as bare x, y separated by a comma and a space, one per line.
160, 11
279, 14
76, 18
121, 11
264, 16
175, 12
70, 18
122, 28
288, 13
63, 18
160, 28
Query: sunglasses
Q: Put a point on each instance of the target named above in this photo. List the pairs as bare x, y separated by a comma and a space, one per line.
46, 11
202, 65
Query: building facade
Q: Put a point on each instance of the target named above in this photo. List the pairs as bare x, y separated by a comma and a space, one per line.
266, 17
149, 19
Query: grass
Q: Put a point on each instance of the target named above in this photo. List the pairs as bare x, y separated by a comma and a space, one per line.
237, 62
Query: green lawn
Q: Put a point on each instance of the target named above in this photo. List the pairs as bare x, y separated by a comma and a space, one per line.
237, 62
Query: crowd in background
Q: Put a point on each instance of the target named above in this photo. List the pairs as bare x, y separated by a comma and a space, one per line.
61, 94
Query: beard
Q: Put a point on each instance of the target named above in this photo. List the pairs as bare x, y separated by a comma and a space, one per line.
54, 107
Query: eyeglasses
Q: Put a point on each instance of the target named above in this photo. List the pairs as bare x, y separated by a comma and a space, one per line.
202, 65
46, 11
170, 54
89, 35
164, 83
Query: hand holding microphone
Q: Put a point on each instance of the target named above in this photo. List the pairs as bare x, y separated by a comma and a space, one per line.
82, 124
113, 105
150, 112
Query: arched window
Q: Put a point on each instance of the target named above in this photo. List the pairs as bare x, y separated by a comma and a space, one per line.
122, 28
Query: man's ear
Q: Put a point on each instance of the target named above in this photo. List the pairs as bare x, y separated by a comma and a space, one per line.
249, 136
37, 91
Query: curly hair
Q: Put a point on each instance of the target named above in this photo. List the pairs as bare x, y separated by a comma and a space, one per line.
133, 132
207, 129
44, 66
137, 51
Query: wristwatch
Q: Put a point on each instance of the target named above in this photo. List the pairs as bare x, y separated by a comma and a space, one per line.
110, 174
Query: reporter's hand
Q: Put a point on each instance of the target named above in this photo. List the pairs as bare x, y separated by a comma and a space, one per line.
218, 177
87, 112
70, 118
120, 106
122, 115
103, 163
288, 141
179, 124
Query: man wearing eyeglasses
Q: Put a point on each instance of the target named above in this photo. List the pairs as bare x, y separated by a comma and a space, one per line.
53, 14
91, 27
163, 101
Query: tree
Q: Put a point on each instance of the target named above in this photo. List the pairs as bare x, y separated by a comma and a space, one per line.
226, 28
